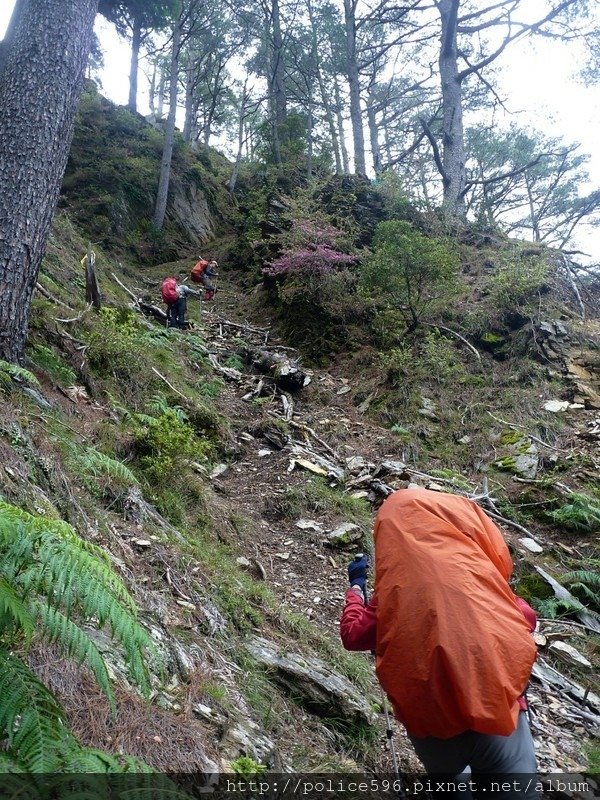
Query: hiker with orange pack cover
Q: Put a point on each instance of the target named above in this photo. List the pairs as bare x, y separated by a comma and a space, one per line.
205, 272
453, 643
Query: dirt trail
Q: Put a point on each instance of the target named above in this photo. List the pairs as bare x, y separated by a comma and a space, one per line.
308, 577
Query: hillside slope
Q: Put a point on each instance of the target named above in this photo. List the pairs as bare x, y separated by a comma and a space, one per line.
230, 499
244, 553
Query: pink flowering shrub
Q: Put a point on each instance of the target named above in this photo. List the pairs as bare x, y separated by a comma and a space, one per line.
309, 231
316, 261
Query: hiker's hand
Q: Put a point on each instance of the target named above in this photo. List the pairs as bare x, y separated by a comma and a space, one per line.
358, 570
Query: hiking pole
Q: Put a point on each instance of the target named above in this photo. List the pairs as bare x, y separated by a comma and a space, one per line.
389, 732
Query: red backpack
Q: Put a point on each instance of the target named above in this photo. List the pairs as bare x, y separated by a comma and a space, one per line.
198, 270
168, 291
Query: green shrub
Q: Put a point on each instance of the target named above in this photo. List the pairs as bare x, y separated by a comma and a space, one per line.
164, 445
409, 271
517, 280
247, 766
115, 345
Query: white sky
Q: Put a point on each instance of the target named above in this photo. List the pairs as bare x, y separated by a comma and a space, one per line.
538, 78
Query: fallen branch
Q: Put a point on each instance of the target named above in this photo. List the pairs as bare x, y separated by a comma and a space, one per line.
77, 318
471, 347
230, 372
547, 674
170, 385
243, 327
509, 522
122, 285
51, 297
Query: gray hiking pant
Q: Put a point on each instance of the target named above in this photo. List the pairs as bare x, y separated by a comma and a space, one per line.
503, 767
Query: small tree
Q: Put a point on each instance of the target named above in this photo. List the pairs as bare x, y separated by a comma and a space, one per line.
408, 270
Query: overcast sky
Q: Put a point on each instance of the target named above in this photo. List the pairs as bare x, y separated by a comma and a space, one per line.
539, 79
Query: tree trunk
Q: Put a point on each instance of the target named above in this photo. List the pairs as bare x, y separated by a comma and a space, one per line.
324, 93
358, 137
240, 139
374, 136
279, 89
453, 158
92, 290
188, 122
39, 89
136, 41
165, 167
152, 92
535, 228
161, 92
340, 126
10, 32
309, 138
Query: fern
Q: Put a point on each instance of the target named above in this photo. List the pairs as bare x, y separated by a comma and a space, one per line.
13, 612
552, 608
96, 463
49, 575
581, 513
30, 716
75, 643
159, 405
9, 371
586, 585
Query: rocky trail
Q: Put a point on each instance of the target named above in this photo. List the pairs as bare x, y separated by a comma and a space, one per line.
292, 502
304, 559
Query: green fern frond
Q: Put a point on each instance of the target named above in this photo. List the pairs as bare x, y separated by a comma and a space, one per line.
98, 463
13, 611
14, 371
159, 405
582, 576
11, 765
585, 584
552, 608
84, 760
30, 715
72, 575
72, 640
581, 513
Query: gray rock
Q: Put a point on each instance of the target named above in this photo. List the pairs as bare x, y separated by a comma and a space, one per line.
389, 467
344, 534
569, 654
309, 525
428, 409
319, 688
526, 464
531, 545
356, 464
37, 398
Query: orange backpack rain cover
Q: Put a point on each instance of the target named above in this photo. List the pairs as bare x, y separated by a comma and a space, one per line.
454, 651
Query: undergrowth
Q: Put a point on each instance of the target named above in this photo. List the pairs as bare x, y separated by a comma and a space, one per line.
52, 583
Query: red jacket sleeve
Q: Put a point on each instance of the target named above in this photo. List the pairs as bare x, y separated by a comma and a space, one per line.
527, 611
358, 625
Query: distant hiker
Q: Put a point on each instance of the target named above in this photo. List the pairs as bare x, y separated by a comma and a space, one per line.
174, 296
205, 272
453, 644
